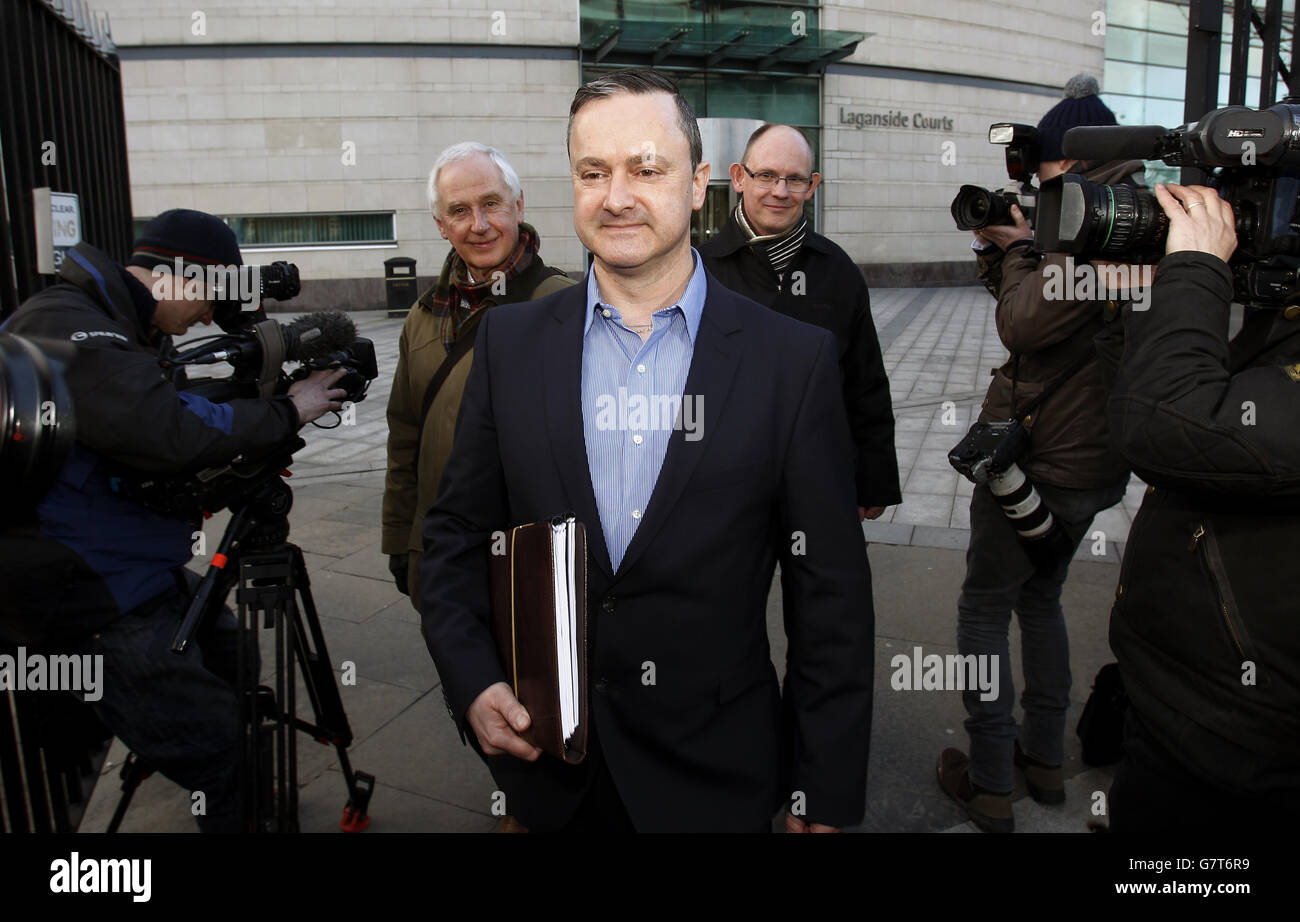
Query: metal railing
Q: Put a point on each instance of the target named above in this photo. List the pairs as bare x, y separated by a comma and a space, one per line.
61, 127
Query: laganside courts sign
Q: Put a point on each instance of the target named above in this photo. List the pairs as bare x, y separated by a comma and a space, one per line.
895, 119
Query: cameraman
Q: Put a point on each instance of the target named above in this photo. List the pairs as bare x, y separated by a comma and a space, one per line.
1069, 461
114, 570
1204, 623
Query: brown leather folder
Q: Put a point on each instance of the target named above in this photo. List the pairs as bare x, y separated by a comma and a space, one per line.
537, 586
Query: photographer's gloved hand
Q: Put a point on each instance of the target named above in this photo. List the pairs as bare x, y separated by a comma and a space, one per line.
397, 565
1198, 220
1003, 235
313, 397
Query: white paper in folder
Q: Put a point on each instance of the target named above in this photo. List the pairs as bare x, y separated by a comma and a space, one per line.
563, 535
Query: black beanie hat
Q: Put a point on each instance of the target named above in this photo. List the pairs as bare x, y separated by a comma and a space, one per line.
194, 236
1079, 107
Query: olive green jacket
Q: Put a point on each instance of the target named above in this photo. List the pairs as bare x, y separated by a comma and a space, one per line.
412, 484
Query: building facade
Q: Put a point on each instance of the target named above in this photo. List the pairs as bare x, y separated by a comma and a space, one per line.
311, 126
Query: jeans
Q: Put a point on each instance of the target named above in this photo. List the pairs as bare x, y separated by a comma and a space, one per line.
178, 714
999, 578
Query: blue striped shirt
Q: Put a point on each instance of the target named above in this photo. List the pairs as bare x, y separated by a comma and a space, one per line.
631, 399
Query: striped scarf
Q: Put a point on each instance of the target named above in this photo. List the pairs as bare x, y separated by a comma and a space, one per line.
779, 249
457, 298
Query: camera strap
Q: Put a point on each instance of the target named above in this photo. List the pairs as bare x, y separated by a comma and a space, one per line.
458, 351
1076, 366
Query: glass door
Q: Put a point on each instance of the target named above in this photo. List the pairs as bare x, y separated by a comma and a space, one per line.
719, 201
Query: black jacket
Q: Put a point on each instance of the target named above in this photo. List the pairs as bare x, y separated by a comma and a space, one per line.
706, 746
1204, 623
128, 416
836, 299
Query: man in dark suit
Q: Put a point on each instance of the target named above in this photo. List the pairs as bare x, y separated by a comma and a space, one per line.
685, 519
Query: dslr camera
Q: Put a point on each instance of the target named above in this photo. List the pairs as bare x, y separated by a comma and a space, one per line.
976, 207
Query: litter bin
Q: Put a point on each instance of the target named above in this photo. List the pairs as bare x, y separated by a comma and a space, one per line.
400, 285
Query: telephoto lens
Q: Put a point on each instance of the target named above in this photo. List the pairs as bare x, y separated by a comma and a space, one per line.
1042, 537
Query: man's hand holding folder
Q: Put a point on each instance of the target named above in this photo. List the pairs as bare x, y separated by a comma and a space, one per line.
497, 719
539, 624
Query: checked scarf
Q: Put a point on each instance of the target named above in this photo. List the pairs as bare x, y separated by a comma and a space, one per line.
456, 299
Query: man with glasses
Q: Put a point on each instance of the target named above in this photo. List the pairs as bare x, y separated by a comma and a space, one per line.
768, 252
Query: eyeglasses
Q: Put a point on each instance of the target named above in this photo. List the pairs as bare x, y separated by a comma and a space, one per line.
767, 180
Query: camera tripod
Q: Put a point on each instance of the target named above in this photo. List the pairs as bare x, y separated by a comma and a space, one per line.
270, 578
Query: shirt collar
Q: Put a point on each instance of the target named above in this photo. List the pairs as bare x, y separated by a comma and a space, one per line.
691, 304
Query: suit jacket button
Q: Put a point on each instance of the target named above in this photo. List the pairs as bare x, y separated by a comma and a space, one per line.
602, 684
607, 604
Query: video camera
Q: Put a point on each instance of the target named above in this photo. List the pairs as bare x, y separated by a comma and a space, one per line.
1256, 153
976, 207
257, 350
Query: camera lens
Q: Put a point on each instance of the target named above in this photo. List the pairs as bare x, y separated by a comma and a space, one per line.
280, 281
1120, 222
975, 207
36, 424
1133, 220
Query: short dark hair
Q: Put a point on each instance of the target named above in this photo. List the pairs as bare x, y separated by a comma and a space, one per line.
765, 128
640, 81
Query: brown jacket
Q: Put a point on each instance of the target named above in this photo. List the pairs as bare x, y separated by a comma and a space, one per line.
411, 487
1069, 442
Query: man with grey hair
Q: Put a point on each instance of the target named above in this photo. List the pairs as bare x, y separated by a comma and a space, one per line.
477, 203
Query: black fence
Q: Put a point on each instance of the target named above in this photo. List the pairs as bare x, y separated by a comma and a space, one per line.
51, 750
62, 127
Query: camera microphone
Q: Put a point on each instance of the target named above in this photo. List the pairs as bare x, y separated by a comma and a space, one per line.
262, 349
1113, 142
311, 336
317, 335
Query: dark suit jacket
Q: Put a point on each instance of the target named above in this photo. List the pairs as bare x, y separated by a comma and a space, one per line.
708, 746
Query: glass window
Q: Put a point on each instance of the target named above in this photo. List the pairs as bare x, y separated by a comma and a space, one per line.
1129, 110
313, 229
1166, 112
1125, 44
1166, 50
1166, 82
1121, 77
1167, 17
1132, 13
